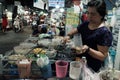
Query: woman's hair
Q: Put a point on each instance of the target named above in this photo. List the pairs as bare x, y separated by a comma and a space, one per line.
100, 6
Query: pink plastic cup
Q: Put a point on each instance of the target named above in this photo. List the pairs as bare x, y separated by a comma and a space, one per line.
61, 68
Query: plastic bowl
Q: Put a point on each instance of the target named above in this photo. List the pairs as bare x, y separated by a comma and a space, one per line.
21, 50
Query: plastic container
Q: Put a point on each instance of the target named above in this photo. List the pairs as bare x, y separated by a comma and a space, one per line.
46, 71
21, 50
13, 72
24, 68
77, 40
27, 45
75, 69
61, 68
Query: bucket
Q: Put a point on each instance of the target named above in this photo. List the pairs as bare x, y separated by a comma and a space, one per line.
75, 69
61, 68
46, 71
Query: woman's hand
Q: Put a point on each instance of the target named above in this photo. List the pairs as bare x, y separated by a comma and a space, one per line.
82, 49
66, 39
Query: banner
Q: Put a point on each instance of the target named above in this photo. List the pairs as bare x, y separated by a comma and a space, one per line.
72, 18
39, 4
54, 3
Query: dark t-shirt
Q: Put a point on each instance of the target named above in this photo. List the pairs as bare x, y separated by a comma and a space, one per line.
100, 36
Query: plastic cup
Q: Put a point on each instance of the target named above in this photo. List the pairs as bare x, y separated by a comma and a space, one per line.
61, 68
75, 70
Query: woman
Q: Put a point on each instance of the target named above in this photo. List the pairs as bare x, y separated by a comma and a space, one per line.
4, 22
96, 37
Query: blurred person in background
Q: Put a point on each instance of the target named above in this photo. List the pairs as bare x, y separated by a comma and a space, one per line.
18, 25
4, 22
54, 30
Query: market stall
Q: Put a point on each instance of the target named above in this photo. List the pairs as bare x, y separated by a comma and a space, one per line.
42, 58
32, 48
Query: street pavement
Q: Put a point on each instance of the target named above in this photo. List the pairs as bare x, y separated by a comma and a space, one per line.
10, 39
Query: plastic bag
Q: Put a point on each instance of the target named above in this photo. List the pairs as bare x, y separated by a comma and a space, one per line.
87, 73
77, 40
42, 60
45, 66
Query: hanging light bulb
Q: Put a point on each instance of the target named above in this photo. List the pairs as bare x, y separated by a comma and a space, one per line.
57, 6
53, 10
62, 10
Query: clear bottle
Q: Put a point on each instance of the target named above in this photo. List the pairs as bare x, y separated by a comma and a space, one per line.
84, 60
82, 76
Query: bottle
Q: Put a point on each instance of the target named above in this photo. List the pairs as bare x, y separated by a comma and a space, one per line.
84, 60
82, 76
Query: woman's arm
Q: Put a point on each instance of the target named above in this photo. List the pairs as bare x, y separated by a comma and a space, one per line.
72, 32
101, 54
69, 34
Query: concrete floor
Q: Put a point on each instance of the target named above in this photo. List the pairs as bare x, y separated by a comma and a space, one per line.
10, 39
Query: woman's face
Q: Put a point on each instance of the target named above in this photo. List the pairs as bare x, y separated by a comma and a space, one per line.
93, 15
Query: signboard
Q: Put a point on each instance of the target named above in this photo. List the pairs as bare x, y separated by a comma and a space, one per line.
54, 3
39, 4
72, 18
